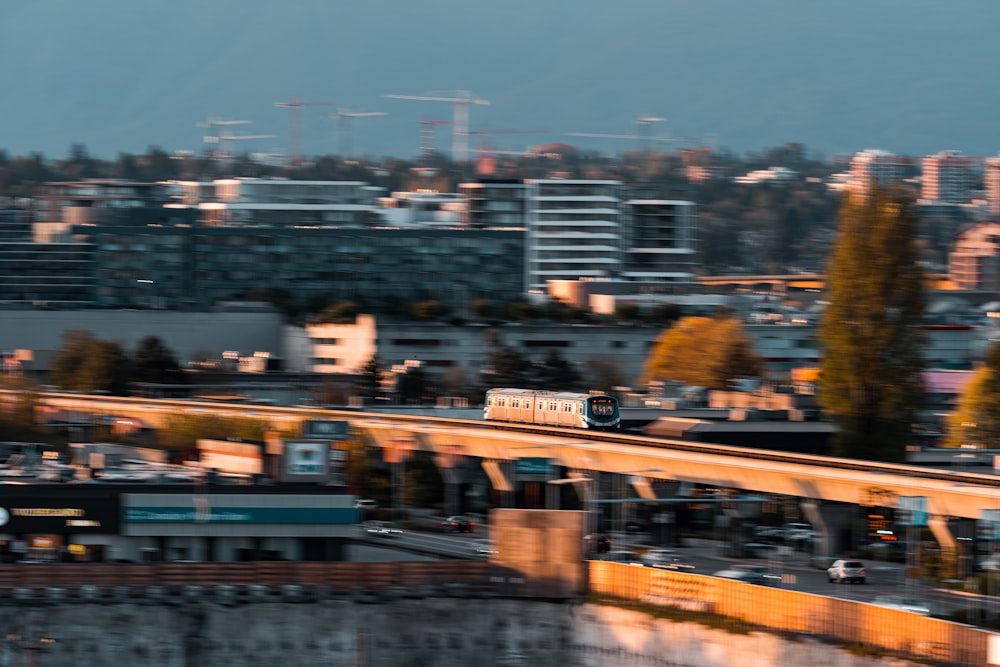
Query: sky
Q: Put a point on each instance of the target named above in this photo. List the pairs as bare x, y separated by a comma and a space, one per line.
909, 76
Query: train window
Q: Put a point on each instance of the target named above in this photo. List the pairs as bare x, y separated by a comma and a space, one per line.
514, 403
552, 405
527, 403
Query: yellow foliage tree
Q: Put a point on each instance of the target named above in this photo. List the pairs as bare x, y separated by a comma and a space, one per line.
702, 351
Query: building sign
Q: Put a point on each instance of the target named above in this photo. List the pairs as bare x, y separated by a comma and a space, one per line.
912, 511
533, 466
306, 458
48, 516
327, 429
241, 515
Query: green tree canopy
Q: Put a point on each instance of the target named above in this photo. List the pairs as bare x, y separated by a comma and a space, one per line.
702, 351
871, 381
976, 419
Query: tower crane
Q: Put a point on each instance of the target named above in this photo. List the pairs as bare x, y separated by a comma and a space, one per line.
461, 99
427, 136
221, 136
294, 106
344, 118
642, 136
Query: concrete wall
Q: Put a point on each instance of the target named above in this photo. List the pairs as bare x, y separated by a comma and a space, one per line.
436, 632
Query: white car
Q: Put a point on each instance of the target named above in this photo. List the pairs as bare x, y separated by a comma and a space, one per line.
483, 548
381, 529
903, 604
365, 504
846, 571
665, 559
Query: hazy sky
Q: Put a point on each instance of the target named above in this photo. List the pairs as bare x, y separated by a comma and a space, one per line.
908, 76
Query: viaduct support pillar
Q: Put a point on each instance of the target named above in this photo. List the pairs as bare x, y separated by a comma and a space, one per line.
832, 523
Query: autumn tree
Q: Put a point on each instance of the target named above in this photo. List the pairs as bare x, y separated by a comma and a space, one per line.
85, 363
871, 383
702, 351
976, 419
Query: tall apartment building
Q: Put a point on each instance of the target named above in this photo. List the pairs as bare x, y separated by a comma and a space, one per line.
659, 241
874, 167
493, 203
975, 262
574, 230
992, 182
947, 178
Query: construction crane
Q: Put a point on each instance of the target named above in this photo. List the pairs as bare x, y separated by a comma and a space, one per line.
344, 118
642, 136
294, 106
460, 123
427, 136
222, 136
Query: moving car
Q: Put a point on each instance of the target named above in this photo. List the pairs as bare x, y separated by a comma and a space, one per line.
846, 571
597, 543
751, 574
903, 604
626, 557
458, 524
664, 559
365, 504
382, 528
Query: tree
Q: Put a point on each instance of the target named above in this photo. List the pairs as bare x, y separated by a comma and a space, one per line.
507, 368
871, 384
976, 419
430, 309
555, 373
85, 363
368, 381
702, 351
154, 362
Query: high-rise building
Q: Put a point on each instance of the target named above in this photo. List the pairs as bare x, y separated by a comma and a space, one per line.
659, 241
574, 230
947, 178
975, 262
873, 167
992, 182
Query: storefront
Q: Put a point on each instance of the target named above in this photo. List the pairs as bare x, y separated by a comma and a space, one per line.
40, 527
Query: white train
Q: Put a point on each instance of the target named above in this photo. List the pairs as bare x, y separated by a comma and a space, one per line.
552, 408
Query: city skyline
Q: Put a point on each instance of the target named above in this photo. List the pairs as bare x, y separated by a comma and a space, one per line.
910, 78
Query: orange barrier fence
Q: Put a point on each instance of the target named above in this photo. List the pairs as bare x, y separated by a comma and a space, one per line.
850, 622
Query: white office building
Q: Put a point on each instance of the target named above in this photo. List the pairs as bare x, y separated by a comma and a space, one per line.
659, 241
574, 230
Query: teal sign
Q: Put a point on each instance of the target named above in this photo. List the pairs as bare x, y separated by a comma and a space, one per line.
533, 466
912, 511
241, 515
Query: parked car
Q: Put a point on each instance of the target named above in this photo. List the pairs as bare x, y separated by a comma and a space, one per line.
751, 574
458, 524
665, 559
597, 543
382, 528
846, 571
365, 504
903, 604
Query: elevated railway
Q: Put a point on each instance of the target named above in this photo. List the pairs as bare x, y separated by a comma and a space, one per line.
822, 478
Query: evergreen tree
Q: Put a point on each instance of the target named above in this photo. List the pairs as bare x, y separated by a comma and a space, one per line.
154, 362
871, 384
369, 379
555, 373
976, 419
507, 368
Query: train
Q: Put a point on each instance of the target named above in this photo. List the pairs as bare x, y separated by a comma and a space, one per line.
553, 408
